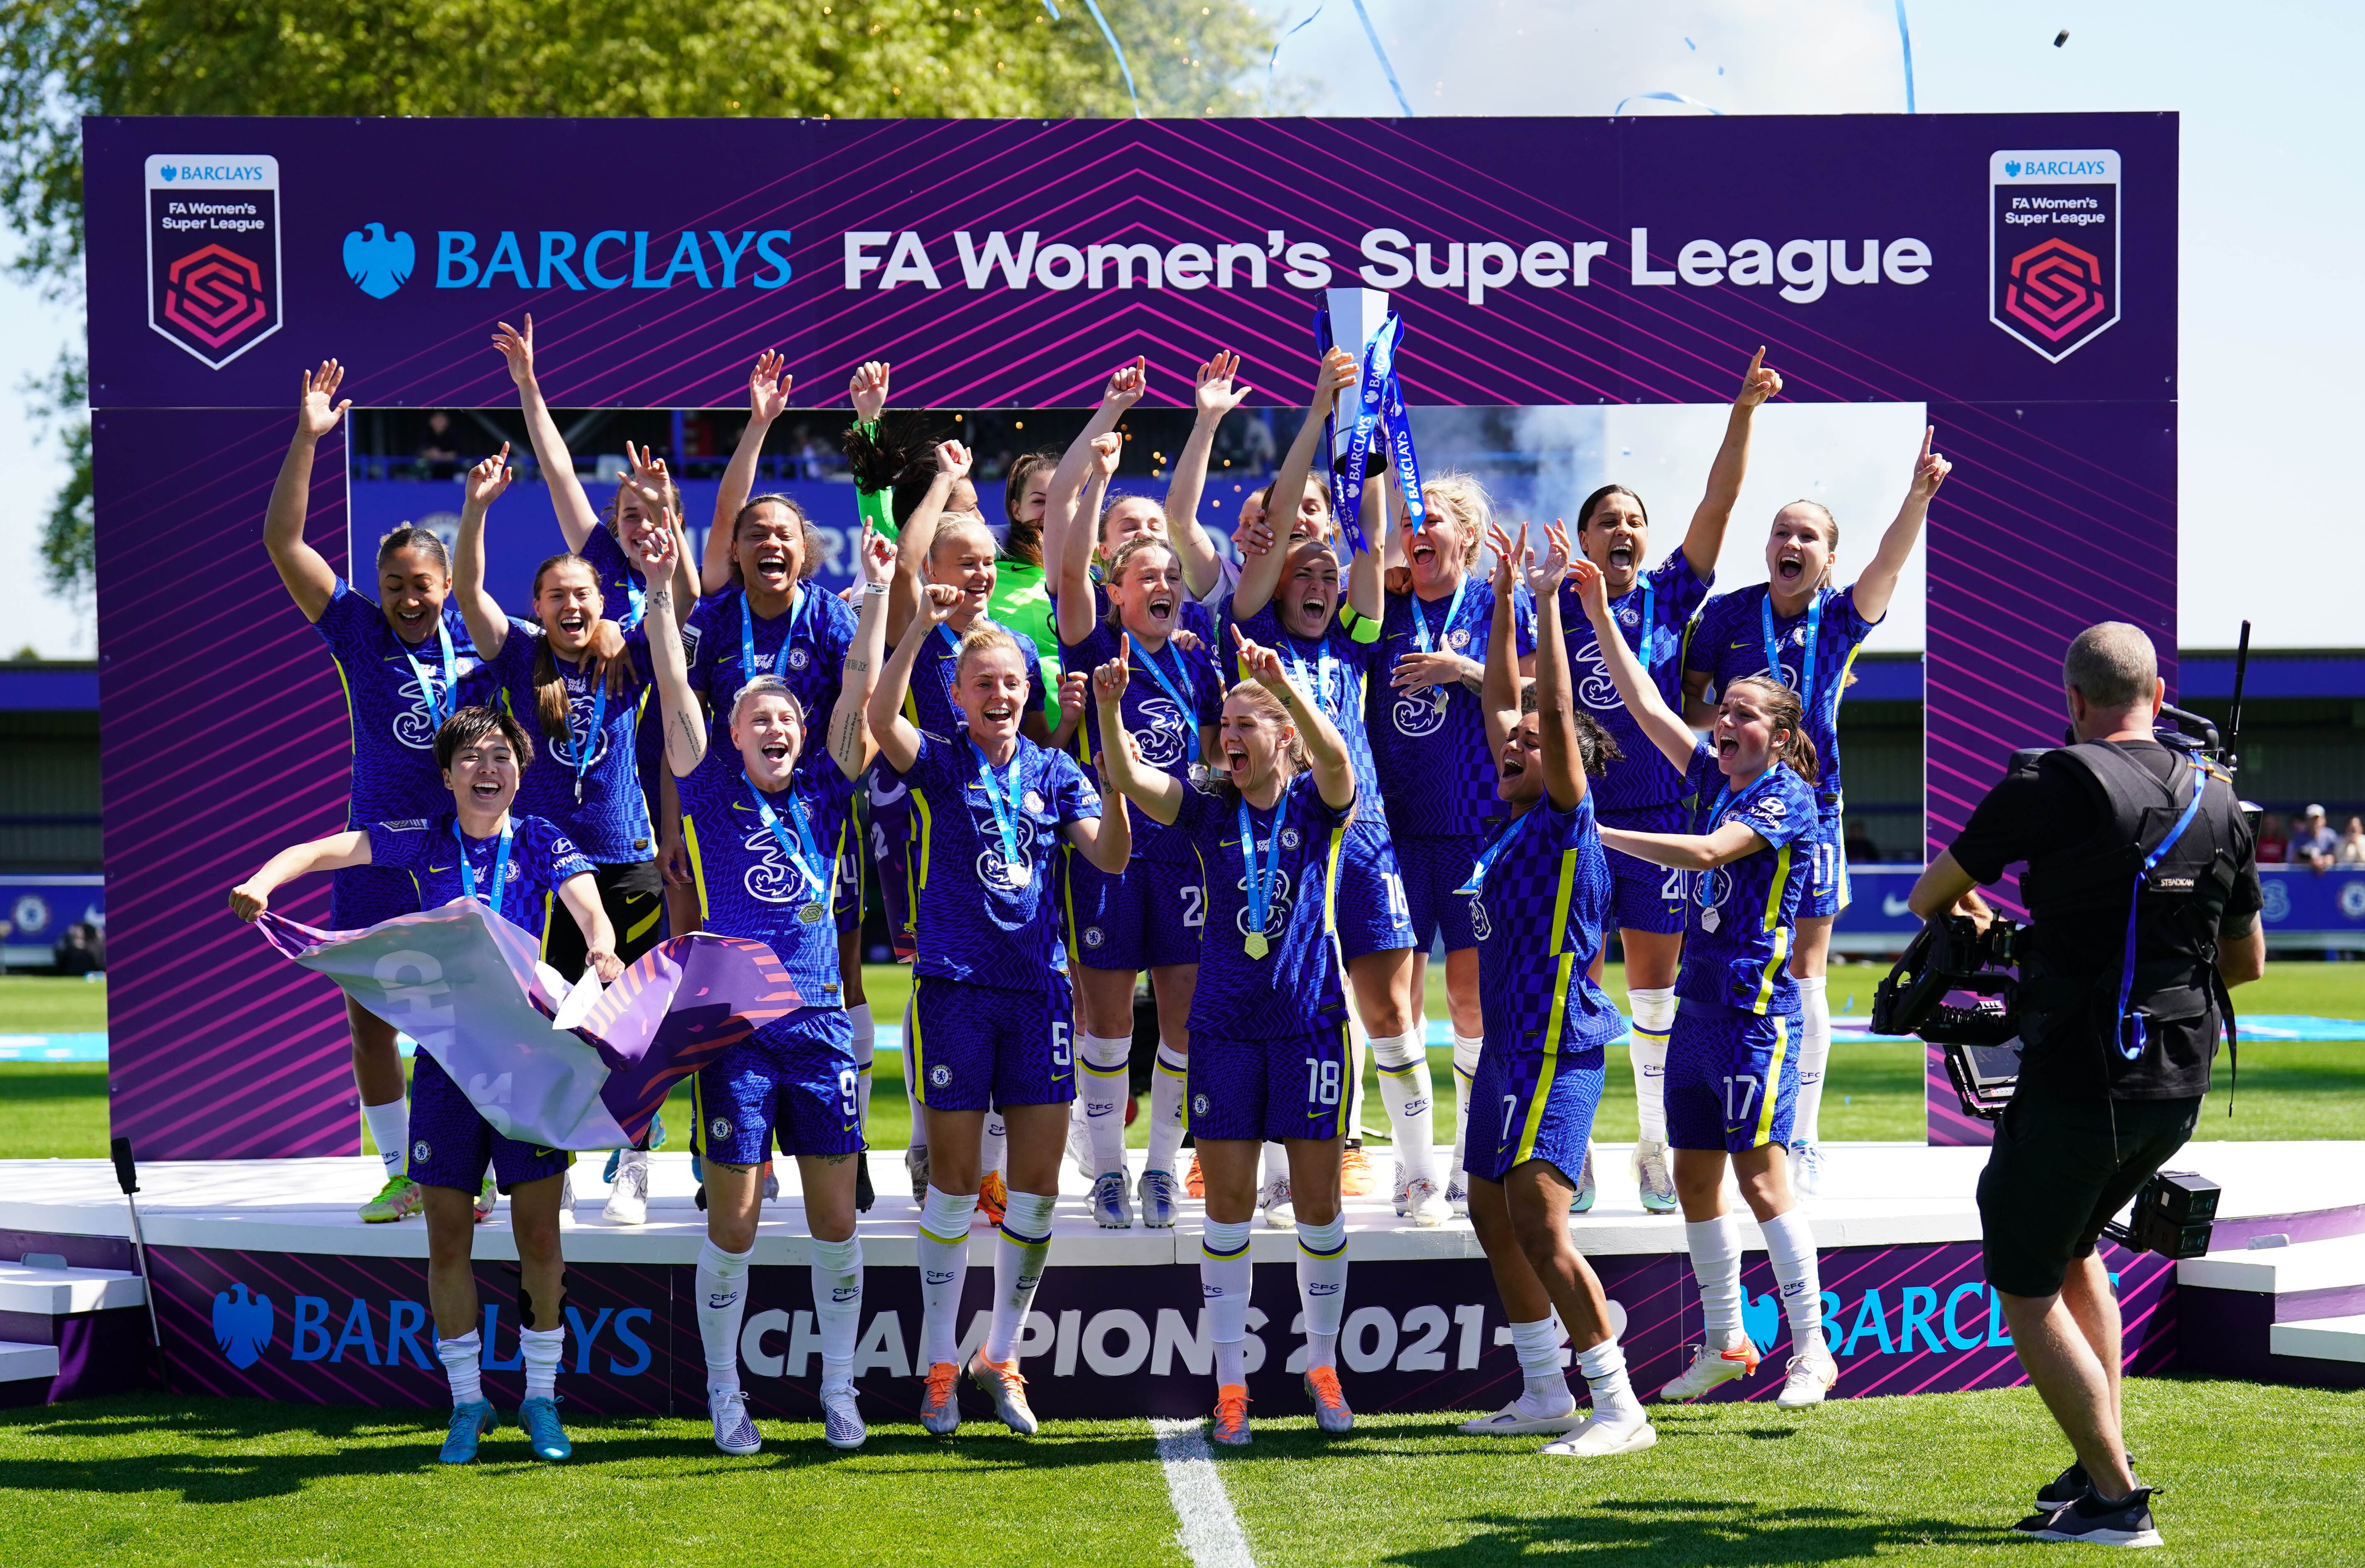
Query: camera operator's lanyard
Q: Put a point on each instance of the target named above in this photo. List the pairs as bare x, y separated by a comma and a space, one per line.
1190, 713
799, 607
804, 854
1006, 804
1494, 851
1439, 695
438, 710
581, 759
1806, 687
1261, 881
500, 866
2131, 1043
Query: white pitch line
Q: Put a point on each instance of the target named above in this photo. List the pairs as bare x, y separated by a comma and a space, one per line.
1212, 1536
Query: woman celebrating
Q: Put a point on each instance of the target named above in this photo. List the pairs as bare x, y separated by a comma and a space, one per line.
1288, 600
575, 680
1652, 609
515, 864
1539, 893
757, 822
1732, 1059
1149, 918
400, 658
991, 1003
1267, 1017
1800, 632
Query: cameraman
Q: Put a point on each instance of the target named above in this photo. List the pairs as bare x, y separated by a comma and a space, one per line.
2115, 1056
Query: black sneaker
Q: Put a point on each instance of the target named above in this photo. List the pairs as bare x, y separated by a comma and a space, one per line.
2071, 1485
2097, 1523
864, 1196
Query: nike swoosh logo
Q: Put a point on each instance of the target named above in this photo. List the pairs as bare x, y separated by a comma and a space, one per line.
1893, 906
433, 870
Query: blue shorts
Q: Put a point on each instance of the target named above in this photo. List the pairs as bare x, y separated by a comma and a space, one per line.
980, 1046
451, 1143
361, 896
891, 852
794, 1077
1733, 1078
1644, 896
1369, 900
1432, 870
848, 907
1292, 1087
1536, 1109
1826, 893
1144, 919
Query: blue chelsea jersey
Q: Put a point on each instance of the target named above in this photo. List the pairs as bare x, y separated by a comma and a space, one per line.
751, 883
1174, 699
396, 697
1338, 669
541, 859
586, 778
1429, 743
805, 645
1539, 917
1743, 918
1294, 988
1659, 609
1730, 642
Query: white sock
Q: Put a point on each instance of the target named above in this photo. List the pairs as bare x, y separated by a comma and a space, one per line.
462, 1359
913, 1095
1166, 1086
1276, 1163
1412, 1114
1654, 1018
1357, 1049
993, 1145
1225, 1278
1538, 1346
837, 1307
1790, 1248
1814, 1051
1715, 1247
1322, 1287
1604, 1367
1018, 1269
943, 1269
542, 1349
390, 1128
722, 1282
865, 1044
1465, 1073
1100, 1085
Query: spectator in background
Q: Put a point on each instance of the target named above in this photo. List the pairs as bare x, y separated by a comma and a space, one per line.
2352, 844
2273, 844
2313, 842
81, 951
440, 448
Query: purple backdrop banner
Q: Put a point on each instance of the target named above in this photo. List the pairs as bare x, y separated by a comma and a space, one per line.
2014, 273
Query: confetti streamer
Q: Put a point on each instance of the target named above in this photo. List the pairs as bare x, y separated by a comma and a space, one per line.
1114, 48
1387, 70
1905, 37
1665, 97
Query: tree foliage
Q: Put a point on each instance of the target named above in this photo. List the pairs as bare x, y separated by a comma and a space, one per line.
843, 58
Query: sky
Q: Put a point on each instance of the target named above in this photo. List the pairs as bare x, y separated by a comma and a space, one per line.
2269, 527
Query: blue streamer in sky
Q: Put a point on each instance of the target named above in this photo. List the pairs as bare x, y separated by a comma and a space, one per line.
1114, 48
1372, 33
1275, 55
1905, 37
1665, 97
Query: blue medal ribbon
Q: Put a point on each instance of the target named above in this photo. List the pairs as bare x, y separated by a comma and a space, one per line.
804, 854
1421, 625
800, 606
1261, 881
1316, 684
1190, 711
1006, 801
500, 865
1806, 687
1650, 626
1494, 851
1379, 391
581, 750
438, 708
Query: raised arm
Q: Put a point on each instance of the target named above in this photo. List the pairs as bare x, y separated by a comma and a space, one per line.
1216, 395
678, 705
1367, 592
1075, 557
850, 744
918, 537
767, 400
1326, 751
577, 519
478, 608
1122, 769
1125, 389
580, 894
1705, 536
1687, 851
310, 580
1662, 724
333, 853
897, 740
1878, 582
1564, 760
1499, 691
1260, 574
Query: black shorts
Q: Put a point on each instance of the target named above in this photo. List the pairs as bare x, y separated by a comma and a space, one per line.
633, 896
2059, 1171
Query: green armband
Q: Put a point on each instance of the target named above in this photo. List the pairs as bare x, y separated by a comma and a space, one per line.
1361, 628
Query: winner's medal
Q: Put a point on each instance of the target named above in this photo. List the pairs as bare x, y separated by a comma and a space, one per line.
1019, 873
1710, 919
1006, 802
1257, 945
1259, 879
811, 913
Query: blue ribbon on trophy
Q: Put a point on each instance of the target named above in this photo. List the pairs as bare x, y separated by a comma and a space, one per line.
1360, 315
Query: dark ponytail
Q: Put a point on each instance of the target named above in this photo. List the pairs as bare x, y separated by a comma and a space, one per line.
1585, 512
410, 536
1783, 711
603, 651
1025, 540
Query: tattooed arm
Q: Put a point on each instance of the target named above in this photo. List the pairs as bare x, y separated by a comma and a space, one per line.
684, 715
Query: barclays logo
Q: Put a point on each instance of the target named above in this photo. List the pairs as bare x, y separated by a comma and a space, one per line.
2013, 168
377, 262
241, 1325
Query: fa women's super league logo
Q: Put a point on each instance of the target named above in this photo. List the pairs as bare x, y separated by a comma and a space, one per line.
213, 251
2052, 247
